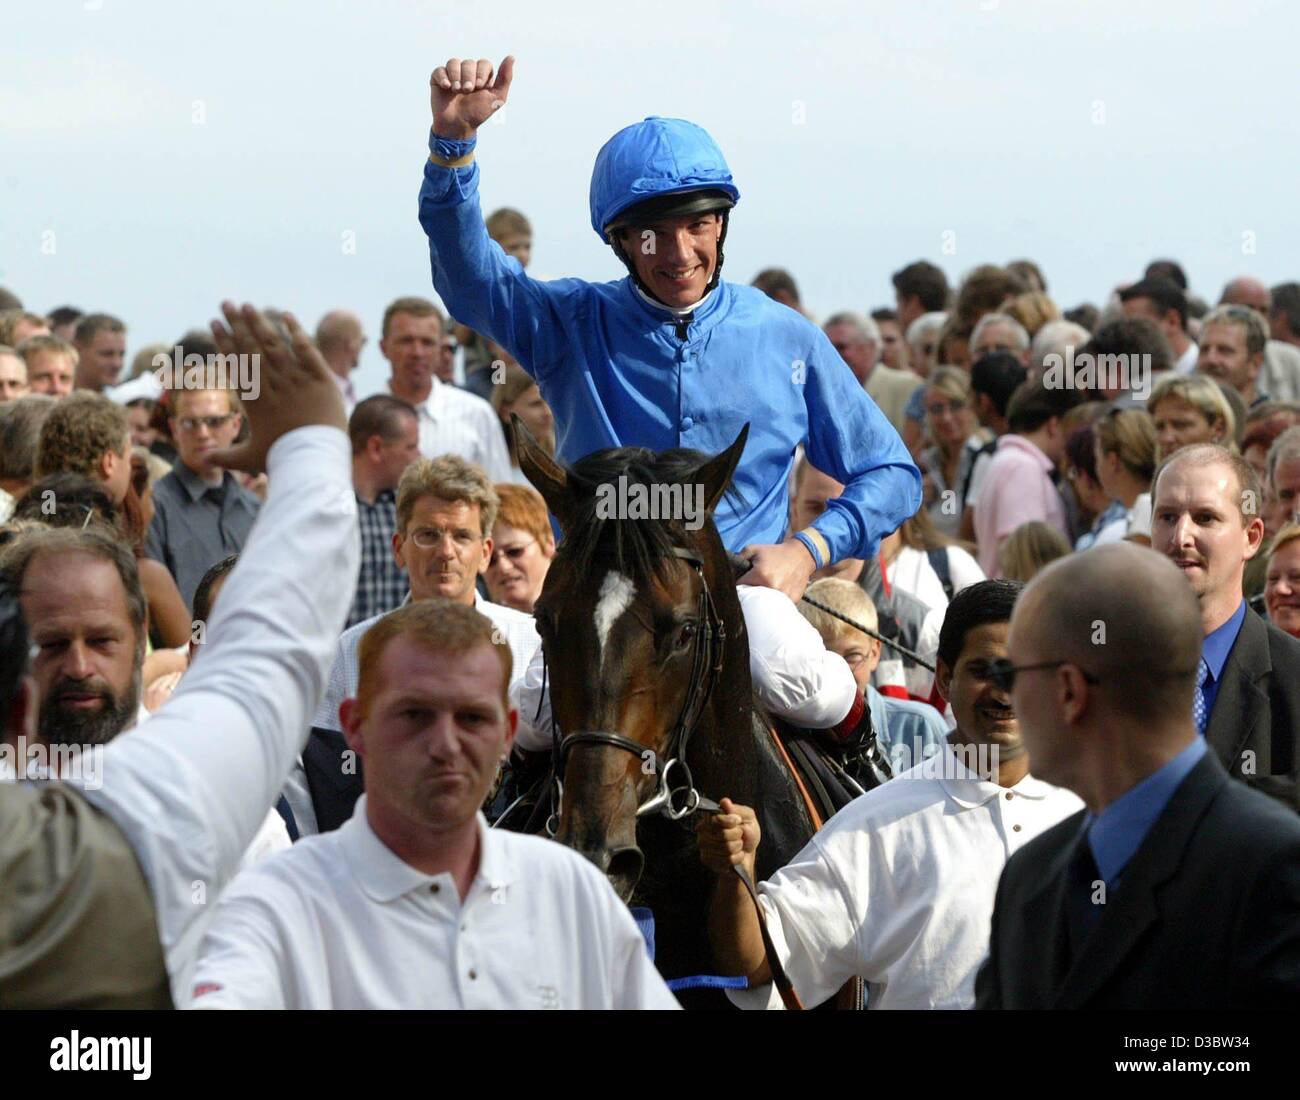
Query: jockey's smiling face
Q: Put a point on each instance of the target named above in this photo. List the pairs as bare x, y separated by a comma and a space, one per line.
676, 257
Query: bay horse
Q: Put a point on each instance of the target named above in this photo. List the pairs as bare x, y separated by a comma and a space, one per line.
648, 668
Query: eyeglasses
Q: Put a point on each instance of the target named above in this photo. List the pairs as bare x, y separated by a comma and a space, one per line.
212, 423
515, 554
1001, 673
429, 538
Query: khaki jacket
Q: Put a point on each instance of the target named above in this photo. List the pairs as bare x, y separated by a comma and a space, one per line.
890, 389
77, 927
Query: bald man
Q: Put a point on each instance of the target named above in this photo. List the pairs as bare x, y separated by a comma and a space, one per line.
1175, 887
340, 338
1279, 377
1205, 517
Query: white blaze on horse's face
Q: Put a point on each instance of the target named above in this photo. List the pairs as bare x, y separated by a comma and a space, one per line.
616, 595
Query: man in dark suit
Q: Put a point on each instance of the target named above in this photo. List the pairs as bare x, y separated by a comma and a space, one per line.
334, 778
1176, 887
1206, 520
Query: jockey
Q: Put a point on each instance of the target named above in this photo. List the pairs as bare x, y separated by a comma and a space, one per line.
674, 356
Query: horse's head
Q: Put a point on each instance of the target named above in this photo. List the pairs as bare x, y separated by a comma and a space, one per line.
632, 617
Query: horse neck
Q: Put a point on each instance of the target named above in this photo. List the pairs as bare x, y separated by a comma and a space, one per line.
724, 739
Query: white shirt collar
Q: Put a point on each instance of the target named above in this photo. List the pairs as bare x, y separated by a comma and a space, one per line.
385, 877
344, 385
968, 790
430, 404
676, 311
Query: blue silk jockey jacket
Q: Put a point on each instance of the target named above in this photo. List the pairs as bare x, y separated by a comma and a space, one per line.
617, 371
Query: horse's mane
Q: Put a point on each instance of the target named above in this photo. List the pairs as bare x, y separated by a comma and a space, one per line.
635, 547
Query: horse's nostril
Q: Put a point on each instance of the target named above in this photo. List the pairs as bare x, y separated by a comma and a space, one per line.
624, 869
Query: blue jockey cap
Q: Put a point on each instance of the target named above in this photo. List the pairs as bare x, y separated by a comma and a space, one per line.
649, 164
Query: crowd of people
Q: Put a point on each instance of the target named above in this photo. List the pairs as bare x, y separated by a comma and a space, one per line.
296, 818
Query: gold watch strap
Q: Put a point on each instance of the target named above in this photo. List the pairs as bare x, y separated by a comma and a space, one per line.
818, 540
459, 162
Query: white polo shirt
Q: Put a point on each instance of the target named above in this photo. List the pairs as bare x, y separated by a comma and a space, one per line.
898, 887
339, 921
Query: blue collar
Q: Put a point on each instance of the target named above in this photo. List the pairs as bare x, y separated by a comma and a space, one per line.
1118, 831
1219, 642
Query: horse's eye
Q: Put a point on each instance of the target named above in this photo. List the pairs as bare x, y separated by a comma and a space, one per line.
685, 636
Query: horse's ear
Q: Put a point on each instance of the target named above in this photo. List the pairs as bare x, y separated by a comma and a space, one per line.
716, 473
548, 477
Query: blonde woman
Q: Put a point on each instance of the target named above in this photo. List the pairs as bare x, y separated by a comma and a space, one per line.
1033, 310
1126, 462
1282, 585
517, 393
1187, 409
956, 438
1029, 548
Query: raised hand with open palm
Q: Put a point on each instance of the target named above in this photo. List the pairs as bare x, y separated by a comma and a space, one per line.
465, 94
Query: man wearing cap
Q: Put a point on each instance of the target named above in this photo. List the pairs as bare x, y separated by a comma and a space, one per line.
671, 355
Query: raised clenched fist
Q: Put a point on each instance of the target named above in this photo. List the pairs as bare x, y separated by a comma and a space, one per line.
465, 94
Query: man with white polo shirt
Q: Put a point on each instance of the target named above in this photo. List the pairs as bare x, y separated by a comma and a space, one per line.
452, 420
415, 902
898, 887
445, 511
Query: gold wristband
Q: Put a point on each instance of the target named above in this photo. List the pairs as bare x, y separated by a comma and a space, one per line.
818, 540
459, 162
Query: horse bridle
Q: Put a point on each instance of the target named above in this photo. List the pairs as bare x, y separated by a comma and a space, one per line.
706, 667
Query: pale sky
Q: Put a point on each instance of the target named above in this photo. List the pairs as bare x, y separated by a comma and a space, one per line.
157, 157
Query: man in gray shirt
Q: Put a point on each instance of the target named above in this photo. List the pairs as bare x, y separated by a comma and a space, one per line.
202, 513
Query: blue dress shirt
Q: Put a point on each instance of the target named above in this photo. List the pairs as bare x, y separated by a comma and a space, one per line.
908, 732
1215, 649
1118, 831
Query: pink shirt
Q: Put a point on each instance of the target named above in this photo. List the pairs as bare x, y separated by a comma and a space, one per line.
1017, 489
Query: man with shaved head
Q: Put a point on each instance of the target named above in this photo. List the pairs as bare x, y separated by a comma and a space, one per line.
1279, 377
1248, 292
1175, 887
340, 338
1206, 505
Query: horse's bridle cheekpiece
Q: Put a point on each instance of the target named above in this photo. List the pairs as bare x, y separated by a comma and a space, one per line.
706, 667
